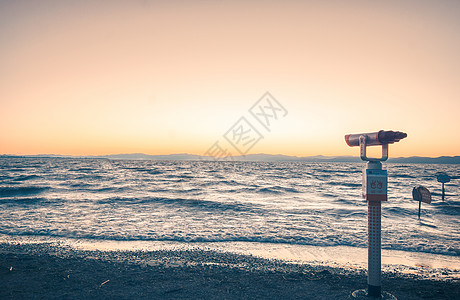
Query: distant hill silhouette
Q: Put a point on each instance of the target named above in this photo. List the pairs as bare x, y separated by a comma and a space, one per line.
260, 157
279, 157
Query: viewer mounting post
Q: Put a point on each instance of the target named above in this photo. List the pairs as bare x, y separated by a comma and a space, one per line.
443, 178
375, 181
421, 194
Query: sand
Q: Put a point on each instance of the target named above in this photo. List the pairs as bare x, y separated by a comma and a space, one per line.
50, 271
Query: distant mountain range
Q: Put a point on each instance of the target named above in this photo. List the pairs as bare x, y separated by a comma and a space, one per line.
260, 157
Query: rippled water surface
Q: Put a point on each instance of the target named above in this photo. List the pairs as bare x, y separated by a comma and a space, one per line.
191, 201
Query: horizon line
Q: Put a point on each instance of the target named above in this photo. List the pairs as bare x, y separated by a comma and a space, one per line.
243, 155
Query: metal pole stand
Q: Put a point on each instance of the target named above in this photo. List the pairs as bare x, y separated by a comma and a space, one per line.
443, 192
375, 182
421, 194
374, 177
443, 178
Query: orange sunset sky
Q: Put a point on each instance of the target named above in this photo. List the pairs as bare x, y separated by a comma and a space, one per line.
163, 77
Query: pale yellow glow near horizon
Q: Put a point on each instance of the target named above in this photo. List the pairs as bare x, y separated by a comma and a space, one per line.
87, 78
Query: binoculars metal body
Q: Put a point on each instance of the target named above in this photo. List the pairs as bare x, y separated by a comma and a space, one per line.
375, 138
381, 137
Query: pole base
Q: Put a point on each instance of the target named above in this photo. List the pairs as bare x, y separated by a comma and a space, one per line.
374, 291
363, 294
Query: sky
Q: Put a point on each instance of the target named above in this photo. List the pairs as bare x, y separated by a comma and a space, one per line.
163, 77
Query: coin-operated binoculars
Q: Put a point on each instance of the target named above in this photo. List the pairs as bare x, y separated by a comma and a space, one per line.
375, 181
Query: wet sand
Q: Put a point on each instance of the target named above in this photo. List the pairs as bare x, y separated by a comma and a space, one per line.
50, 271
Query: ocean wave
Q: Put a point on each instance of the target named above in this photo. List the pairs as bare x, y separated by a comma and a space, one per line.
186, 191
12, 191
181, 176
150, 171
338, 171
447, 208
332, 240
342, 212
110, 189
348, 184
276, 190
89, 177
22, 169
23, 200
81, 185
184, 202
221, 182
26, 177
254, 189
4, 179
83, 169
232, 183
403, 176
398, 211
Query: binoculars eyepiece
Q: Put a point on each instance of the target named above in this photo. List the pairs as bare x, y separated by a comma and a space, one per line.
381, 137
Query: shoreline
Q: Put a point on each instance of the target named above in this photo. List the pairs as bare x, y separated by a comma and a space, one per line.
50, 270
428, 265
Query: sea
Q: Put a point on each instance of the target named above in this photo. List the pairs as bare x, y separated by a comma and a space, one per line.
291, 203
